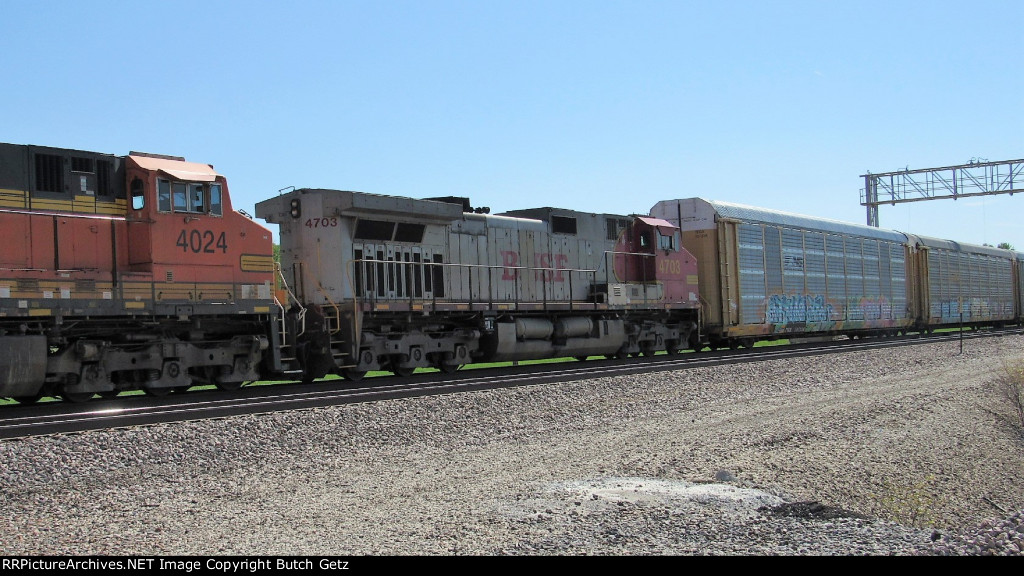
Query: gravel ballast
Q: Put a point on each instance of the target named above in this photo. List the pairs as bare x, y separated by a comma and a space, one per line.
904, 451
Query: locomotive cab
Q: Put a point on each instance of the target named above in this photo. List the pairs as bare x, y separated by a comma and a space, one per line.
183, 231
650, 259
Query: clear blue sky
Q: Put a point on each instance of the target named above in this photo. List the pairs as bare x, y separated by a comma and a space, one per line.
607, 106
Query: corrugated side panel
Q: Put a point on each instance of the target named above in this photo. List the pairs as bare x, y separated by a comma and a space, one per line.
898, 266
814, 265
854, 279
752, 274
835, 274
978, 283
792, 261
872, 291
792, 276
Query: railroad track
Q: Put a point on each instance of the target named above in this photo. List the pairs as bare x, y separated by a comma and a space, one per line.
18, 421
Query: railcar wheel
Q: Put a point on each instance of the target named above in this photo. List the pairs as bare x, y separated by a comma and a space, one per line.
403, 372
76, 397
228, 386
581, 358
353, 375
109, 394
157, 392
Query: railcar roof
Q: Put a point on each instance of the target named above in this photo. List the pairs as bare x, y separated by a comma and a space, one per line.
962, 247
791, 220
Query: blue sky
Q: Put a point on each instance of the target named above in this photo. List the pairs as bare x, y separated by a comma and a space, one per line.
599, 105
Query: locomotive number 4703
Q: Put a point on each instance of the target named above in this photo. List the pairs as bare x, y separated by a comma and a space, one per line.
202, 241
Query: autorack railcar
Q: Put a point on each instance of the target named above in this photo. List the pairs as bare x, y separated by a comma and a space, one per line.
766, 274
964, 283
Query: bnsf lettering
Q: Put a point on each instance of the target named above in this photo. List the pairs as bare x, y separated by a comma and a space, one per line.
202, 242
510, 259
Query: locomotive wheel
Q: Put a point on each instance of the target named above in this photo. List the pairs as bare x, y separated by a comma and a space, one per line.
28, 399
228, 386
694, 343
403, 372
353, 375
108, 394
76, 397
581, 358
157, 392
448, 368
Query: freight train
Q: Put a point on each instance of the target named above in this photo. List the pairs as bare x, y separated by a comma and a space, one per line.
136, 273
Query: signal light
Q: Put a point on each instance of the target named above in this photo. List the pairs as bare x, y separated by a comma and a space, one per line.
296, 208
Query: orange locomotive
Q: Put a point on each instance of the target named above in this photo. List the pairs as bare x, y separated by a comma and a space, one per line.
126, 272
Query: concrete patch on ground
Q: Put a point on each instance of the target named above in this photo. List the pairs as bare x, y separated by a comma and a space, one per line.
651, 491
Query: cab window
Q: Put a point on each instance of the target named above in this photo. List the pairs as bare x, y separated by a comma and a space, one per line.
216, 204
163, 196
666, 242
180, 194
196, 198
190, 197
138, 191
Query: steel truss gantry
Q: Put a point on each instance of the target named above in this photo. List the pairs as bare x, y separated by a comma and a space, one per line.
977, 178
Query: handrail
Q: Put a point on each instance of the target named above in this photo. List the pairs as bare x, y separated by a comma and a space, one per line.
288, 290
543, 274
327, 297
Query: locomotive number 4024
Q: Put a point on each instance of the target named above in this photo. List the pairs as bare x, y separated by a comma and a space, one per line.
202, 242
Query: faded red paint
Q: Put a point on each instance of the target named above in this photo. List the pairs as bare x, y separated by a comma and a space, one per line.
546, 266
639, 258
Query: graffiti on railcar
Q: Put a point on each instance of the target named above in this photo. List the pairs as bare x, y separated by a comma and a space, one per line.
817, 309
973, 309
798, 308
872, 309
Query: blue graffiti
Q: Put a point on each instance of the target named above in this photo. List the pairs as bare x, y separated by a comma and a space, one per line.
973, 309
784, 309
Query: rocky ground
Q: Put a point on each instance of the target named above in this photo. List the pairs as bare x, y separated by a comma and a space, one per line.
908, 451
